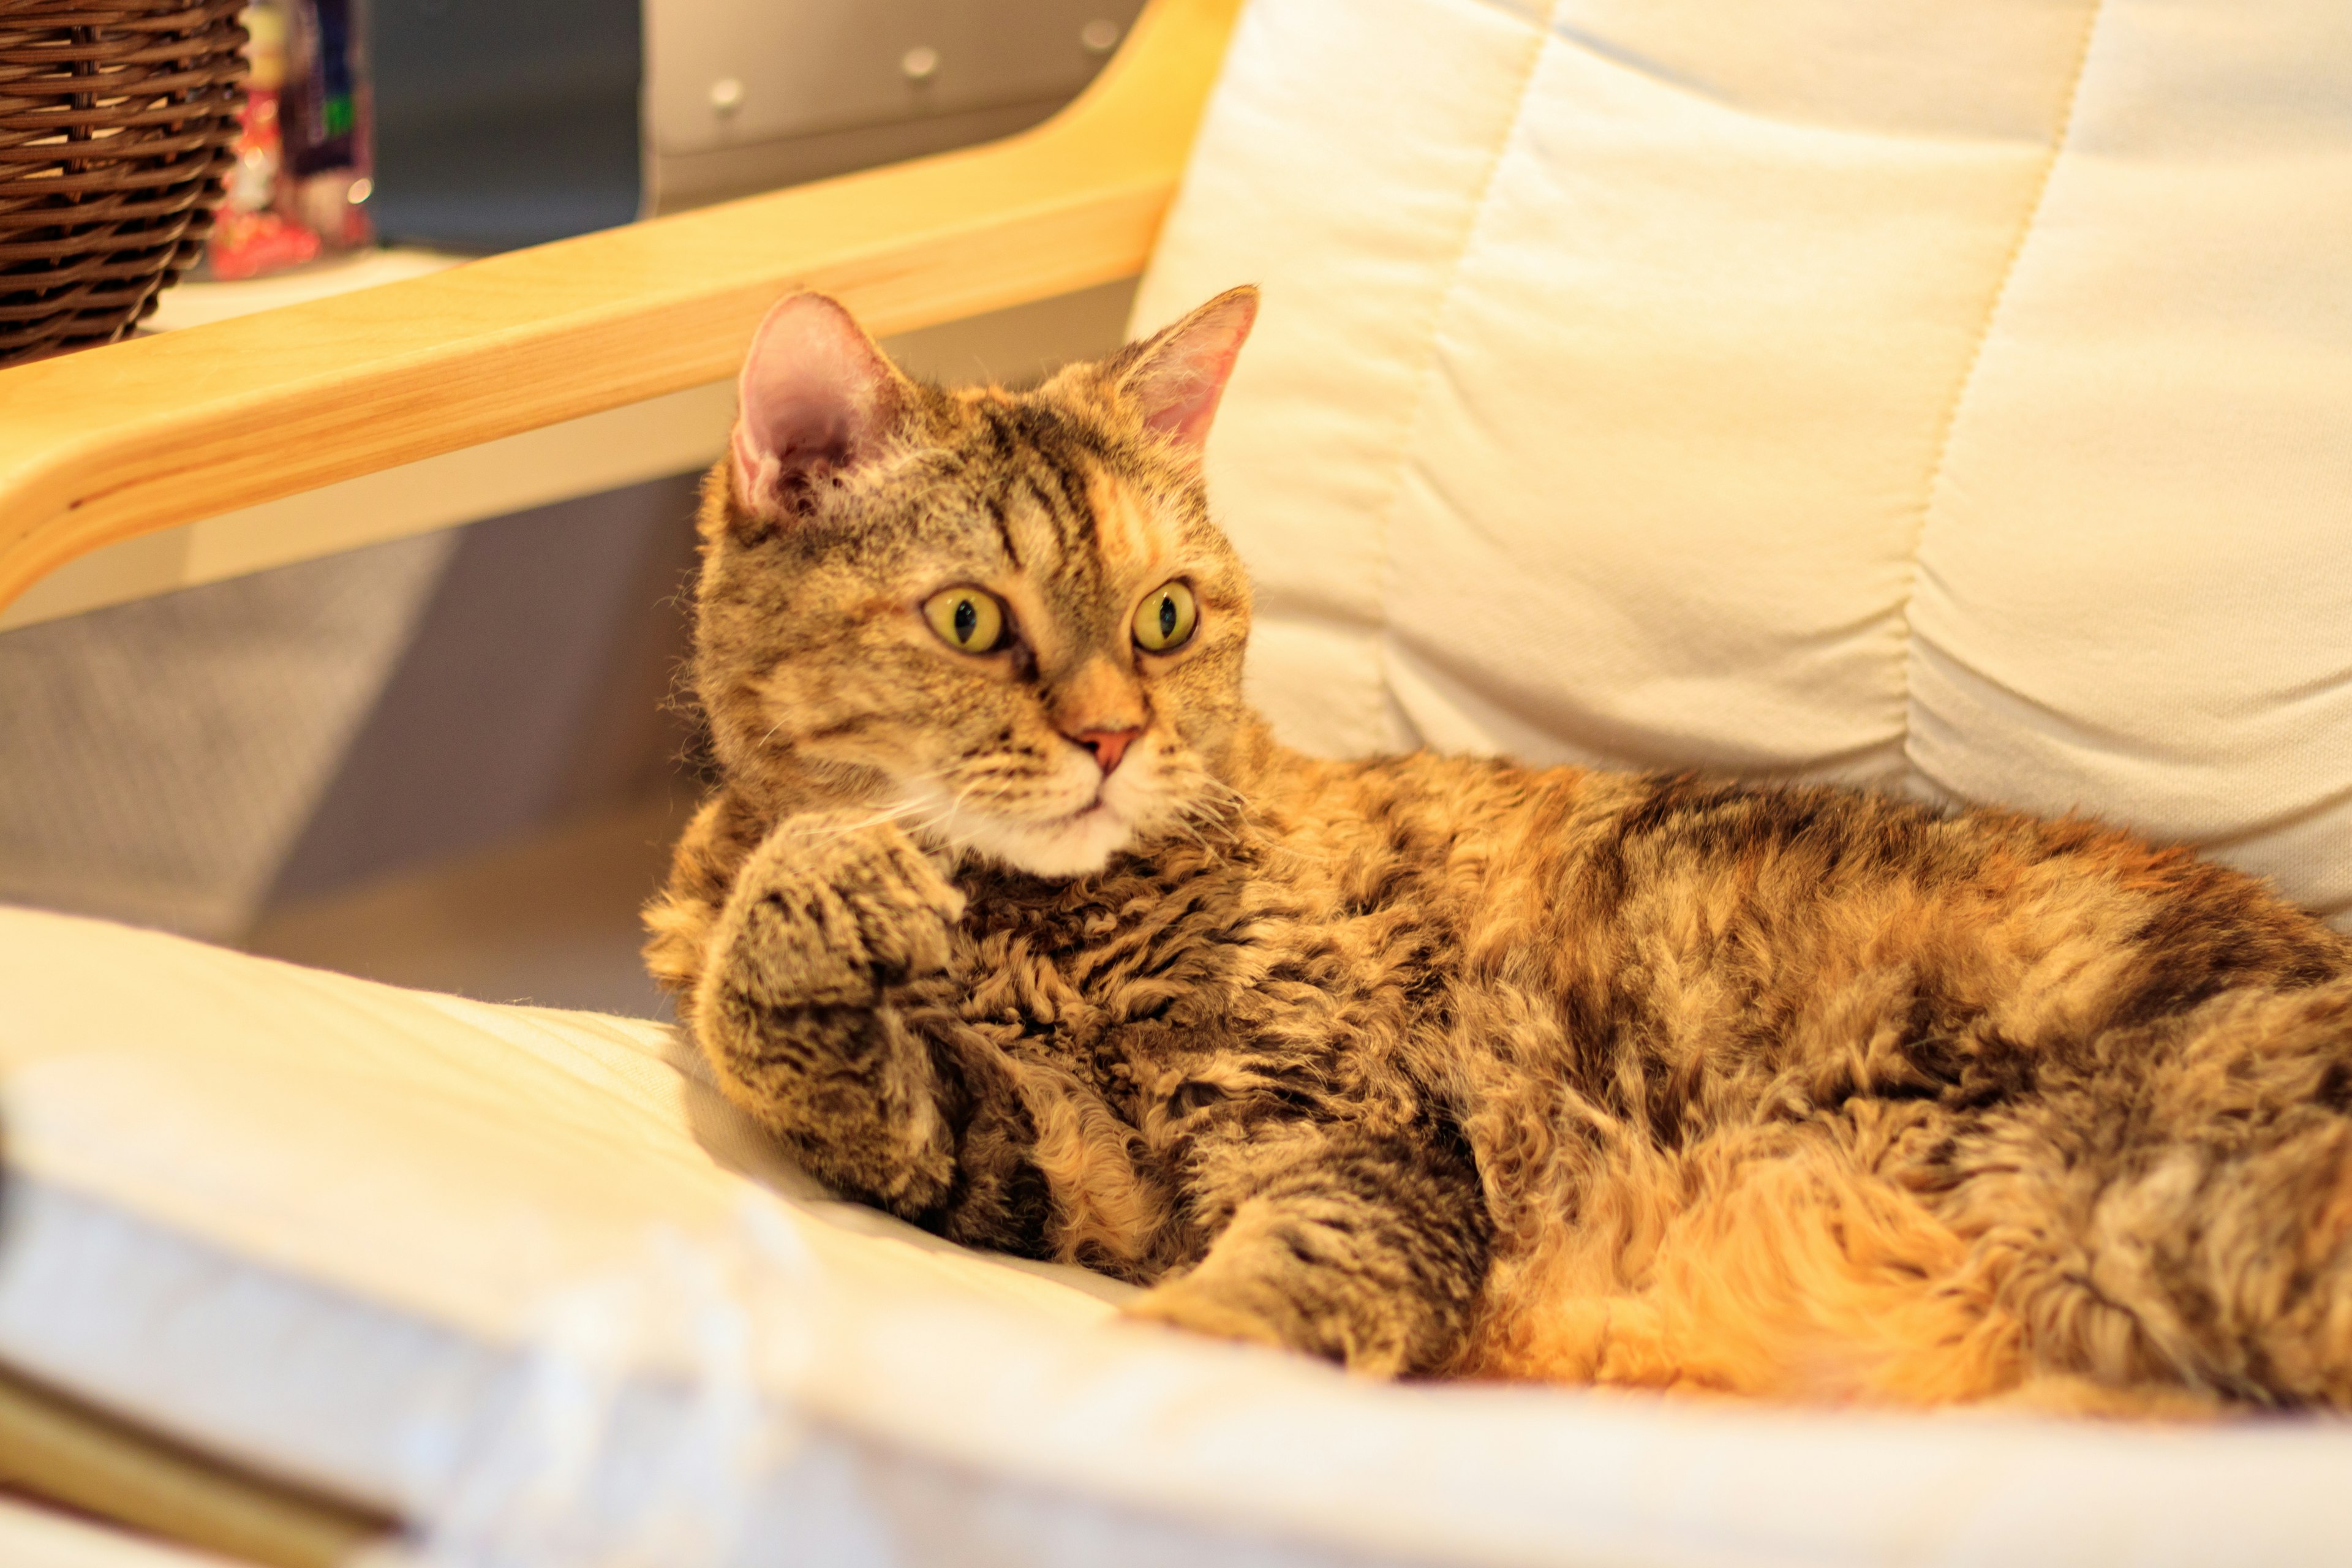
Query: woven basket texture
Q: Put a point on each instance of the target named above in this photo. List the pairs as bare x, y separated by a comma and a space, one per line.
116, 126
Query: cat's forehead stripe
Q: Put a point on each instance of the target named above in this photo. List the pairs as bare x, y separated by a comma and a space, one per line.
1129, 532
1030, 455
1068, 520
996, 515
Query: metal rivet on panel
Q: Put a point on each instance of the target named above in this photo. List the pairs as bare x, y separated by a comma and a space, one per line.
726, 94
1099, 36
921, 63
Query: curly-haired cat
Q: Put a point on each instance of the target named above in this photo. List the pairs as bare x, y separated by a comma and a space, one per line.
1010, 916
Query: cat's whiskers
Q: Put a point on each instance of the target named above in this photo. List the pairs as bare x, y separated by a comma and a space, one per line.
952, 798
888, 814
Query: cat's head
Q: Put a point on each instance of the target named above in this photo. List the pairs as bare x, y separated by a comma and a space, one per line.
1005, 615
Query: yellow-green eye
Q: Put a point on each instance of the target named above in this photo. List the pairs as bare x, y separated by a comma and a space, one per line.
969, 619
1165, 620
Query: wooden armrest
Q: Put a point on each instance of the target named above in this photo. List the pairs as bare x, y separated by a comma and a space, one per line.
100, 445
60, 1450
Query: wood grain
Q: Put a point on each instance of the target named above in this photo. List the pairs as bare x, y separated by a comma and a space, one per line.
105, 444
62, 1450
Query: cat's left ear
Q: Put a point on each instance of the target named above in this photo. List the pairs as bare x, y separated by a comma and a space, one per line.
1174, 378
817, 395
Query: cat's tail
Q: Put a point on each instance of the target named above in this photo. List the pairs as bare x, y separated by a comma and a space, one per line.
2181, 1212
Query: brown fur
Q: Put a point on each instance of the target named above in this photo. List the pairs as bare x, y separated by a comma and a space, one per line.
1446, 1065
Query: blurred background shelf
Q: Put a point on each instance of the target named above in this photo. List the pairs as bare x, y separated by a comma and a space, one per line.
198, 303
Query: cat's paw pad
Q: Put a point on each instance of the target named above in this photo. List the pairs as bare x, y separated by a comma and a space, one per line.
833, 908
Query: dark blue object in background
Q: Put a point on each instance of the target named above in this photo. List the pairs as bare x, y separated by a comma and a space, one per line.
504, 122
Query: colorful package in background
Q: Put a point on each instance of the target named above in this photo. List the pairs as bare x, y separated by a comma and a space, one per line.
327, 121
301, 182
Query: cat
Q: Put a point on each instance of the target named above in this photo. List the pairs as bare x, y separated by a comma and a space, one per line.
1008, 915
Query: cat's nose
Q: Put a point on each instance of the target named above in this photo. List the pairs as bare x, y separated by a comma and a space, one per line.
1107, 745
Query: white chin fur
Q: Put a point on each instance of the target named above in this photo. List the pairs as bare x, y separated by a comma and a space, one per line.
1077, 844
1073, 846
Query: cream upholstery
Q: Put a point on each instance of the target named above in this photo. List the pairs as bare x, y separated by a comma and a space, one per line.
1950, 396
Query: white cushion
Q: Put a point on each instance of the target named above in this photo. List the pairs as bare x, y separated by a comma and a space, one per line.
524, 1278
1950, 396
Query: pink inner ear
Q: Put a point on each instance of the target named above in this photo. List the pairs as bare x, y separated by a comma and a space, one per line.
815, 392
1183, 376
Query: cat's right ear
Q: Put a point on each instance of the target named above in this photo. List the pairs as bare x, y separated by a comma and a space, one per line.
816, 397
1174, 378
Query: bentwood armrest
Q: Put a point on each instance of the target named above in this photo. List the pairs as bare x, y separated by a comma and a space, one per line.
104, 444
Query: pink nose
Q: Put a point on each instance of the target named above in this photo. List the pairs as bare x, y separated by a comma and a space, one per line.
1107, 745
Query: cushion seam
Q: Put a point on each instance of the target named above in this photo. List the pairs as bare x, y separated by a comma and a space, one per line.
1949, 424
1384, 524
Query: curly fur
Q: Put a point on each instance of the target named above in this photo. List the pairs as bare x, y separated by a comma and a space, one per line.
1436, 1065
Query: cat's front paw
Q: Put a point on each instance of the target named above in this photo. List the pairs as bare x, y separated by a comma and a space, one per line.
1201, 1307
1266, 1282
1286, 1312
833, 909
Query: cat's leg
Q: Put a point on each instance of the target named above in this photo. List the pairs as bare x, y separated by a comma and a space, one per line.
2179, 1212
1368, 1249
1797, 1269
1769, 1259
827, 939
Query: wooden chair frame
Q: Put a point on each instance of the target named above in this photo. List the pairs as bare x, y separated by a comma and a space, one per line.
104, 445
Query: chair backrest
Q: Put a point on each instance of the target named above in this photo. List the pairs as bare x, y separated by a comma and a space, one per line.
1954, 395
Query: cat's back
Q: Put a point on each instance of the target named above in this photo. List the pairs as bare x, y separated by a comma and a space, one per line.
1622, 899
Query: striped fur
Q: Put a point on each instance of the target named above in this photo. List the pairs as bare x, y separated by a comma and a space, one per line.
1445, 1066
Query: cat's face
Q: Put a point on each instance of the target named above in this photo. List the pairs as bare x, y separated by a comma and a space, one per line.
1003, 616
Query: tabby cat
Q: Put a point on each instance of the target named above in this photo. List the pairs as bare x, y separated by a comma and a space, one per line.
1008, 915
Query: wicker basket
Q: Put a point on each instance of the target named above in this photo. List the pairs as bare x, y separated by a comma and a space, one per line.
116, 125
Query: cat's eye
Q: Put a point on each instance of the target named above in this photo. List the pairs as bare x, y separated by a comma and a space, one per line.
967, 619
1164, 621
